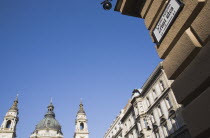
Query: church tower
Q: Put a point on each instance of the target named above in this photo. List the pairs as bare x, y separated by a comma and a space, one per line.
81, 129
8, 127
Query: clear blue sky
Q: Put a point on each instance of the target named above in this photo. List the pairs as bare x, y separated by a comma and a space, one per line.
70, 49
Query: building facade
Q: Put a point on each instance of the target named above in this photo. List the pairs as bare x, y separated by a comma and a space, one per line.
115, 130
152, 112
180, 29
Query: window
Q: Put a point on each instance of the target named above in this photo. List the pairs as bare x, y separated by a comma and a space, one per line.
148, 102
160, 112
136, 110
129, 123
145, 123
162, 86
141, 109
81, 126
168, 102
154, 94
139, 125
152, 118
8, 125
157, 135
132, 135
126, 128
165, 130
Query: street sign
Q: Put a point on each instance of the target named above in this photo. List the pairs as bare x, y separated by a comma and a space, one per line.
166, 20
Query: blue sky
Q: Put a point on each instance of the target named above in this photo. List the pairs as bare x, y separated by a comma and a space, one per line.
70, 49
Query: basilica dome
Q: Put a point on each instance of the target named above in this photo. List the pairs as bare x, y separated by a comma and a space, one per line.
48, 123
48, 126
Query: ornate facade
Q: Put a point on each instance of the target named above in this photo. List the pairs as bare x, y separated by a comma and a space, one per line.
48, 127
152, 112
180, 29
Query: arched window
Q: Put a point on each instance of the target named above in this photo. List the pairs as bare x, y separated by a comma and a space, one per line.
81, 126
8, 124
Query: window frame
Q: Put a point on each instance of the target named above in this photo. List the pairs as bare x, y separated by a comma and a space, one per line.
162, 85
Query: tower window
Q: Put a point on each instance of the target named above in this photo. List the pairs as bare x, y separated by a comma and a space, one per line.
81, 126
8, 125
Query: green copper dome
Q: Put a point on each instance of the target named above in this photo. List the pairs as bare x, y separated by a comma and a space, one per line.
49, 121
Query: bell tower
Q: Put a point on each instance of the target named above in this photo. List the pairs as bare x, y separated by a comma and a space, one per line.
8, 127
81, 128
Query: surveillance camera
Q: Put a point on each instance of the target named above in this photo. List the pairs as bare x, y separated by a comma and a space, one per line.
107, 5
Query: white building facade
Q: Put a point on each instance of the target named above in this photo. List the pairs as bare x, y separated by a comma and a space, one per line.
153, 112
116, 128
